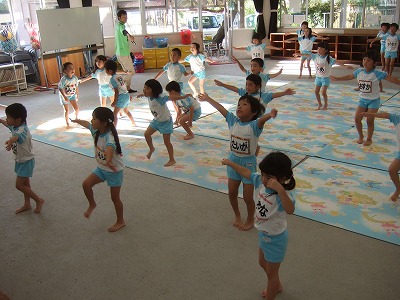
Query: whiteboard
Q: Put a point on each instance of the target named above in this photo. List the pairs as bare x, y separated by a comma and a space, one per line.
69, 27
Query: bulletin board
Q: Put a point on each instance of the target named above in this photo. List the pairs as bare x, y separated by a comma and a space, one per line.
69, 27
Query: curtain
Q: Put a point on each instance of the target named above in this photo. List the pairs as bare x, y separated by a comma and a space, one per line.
260, 27
273, 20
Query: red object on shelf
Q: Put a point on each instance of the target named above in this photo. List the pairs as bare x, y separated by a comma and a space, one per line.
186, 36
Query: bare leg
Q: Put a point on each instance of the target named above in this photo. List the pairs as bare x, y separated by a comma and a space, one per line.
116, 111
325, 96
66, 114
309, 68
201, 85
170, 149
394, 176
191, 80
23, 184
183, 122
128, 113
274, 285
119, 209
383, 61
248, 199
391, 66
147, 135
301, 68
87, 186
233, 191
358, 122
317, 89
74, 104
263, 264
103, 101
370, 127
381, 86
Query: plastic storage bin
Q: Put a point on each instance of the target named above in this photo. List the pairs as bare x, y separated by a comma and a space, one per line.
162, 42
148, 42
186, 36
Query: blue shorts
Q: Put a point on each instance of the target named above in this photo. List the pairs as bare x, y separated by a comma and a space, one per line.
383, 48
249, 162
398, 155
70, 98
166, 127
123, 100
113, 179
322, 81
25, 169
308, 57
196, 114
273, 246
106, 91
390, 54
366, 103
200, 75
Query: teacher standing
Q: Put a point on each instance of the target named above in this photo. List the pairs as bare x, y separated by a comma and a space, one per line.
122, 50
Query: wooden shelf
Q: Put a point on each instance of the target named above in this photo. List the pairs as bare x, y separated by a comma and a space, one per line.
342, 47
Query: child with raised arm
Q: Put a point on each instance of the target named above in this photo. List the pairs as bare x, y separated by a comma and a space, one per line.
100, 73
187, 109
245, 129
110, 166
394, 167
68, 90
257, 48
368, 81
274, 202
21, 145
162, 121
197, 65
253, 88
175, 70
121, 98
257, 68
306, 42
384, 29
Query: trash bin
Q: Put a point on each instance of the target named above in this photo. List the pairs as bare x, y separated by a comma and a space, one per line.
186, 36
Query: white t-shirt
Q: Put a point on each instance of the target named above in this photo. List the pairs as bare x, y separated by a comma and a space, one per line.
391, 42
22, 148
117, 81
175, 71
368, 82
159, 109
395, 119
102, 77
322, 67
196, 62
256, 51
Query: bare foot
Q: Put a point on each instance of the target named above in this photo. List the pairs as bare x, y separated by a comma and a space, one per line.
68, 126
319, 107
382, 91
23, 208
367, 142
264, 292
170, 163
89, 211
133, 124
325, 107
360, 140
148, 155
188, 136
299, 77
39, 206
246, 226
237, 222
117, 226
395, 196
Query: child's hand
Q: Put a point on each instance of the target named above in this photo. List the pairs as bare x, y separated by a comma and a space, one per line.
234, 59
8, 145
333, 78
73, 121
191, 72
218, 83
273, 113
189, 95
274, 184
113, 104
290, 91
203, 97
225, 162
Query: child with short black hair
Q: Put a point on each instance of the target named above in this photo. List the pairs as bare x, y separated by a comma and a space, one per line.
273, 201
110, 166
190, 107
121, 98
384, 29
68, 90
257, 48
21, 145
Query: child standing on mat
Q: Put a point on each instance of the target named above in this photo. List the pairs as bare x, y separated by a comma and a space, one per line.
197, 65
368, 82
162, 121
394, 167
175, 70
105, 88
257, 68
21, 145
121, 98
109, 162
274, 202
245, 129
187, 110
68, 90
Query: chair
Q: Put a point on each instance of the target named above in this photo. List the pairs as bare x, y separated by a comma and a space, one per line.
31, 68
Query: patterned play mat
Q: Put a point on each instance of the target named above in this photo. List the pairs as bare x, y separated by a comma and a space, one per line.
339, 182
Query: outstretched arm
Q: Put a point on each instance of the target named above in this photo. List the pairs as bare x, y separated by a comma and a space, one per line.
85, 79
3, 122
342, 78
227, 86
10, 142
288, 91
239, 64
272, 114
83, 123
246, 173
381, 115
240, 48
373, 41
341, 64
219, 107
276, 74
158, 75
393, 79
319, 37
177, 96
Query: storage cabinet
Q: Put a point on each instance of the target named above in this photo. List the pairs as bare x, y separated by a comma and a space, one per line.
342, 47
9, 78
155, 57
